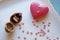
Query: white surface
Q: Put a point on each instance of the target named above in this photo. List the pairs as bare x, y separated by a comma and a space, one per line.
7, 8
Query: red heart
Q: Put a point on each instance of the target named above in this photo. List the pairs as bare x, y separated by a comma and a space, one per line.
38, 11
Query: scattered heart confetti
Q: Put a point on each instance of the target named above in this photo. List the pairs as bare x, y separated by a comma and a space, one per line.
24, 38
35, 38
48, 30
31, 33
34, 24
47, 37
40, 33
37, 26
49, 23
22, 23
33, 21
27, 33
43, 22
57, 38
20, 26
36, 34
23, 31
18, 37
44, 26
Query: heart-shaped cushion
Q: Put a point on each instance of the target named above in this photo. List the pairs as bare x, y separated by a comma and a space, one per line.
38, 11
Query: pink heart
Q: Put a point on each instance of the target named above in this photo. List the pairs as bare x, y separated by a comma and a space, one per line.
38, 11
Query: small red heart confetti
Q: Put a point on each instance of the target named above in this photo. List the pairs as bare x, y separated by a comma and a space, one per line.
43, 22
23, 31
31, 33
41, 30
42, 33
57, 38
48, 30
18, 37
20, 28
34, 24
37, 26
49, 23
22, 23
38, 11
44, 27
27, 32
36, 34
35, 38
24, 38
47, 37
